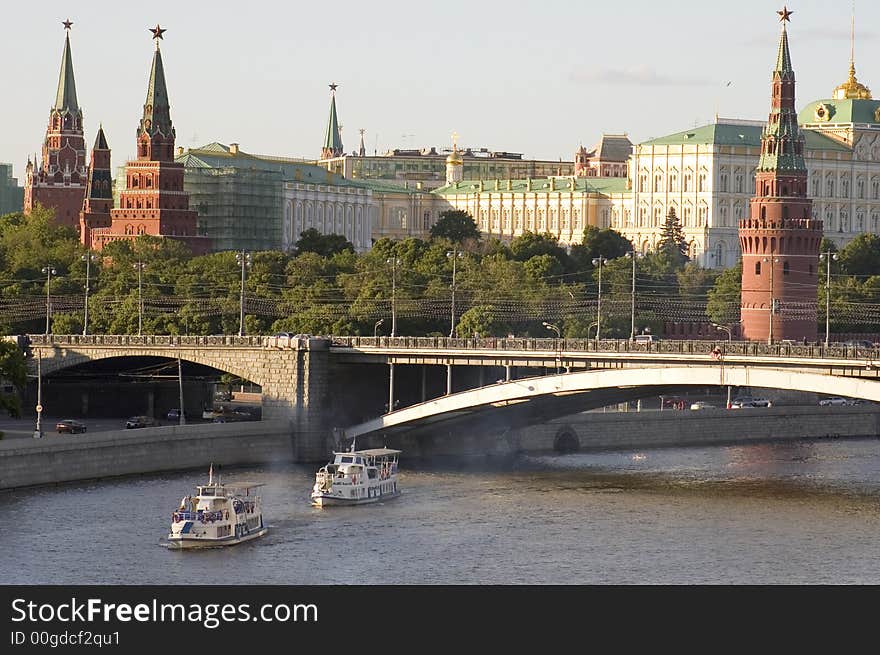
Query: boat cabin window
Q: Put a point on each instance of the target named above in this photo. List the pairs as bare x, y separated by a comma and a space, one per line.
371, 473
359, 460
347, 460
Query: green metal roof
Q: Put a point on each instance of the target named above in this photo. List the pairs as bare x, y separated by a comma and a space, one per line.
728, 134
218, 155
602, 185
783, 57
332, 140
853, 110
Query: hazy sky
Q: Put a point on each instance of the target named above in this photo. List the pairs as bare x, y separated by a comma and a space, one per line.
536, 78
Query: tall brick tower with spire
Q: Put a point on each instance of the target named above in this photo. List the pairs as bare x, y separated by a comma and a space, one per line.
153, 201
99, 191
332, 139
59, 181
780, 240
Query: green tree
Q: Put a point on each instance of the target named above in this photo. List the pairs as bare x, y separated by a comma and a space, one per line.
482, 320
604, 242
861, 256
672, 248
323, 244
13, 370
455, 225
724, 298
531, 244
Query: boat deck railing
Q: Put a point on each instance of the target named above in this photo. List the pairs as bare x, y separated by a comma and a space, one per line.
199, 515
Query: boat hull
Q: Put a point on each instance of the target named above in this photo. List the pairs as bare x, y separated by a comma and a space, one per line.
329, 500
178, 542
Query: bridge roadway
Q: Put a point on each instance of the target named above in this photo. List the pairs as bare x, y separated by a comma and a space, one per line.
294, 376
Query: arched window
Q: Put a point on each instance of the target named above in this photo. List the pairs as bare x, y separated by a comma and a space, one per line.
757, 268
785, 268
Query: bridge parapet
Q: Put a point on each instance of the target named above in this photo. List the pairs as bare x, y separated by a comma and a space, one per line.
622, 346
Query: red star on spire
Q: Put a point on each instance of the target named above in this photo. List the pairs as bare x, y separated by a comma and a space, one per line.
67, 23
157, 32
333, 86
784, 14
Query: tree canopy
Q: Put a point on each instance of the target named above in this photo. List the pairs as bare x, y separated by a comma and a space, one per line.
456, 226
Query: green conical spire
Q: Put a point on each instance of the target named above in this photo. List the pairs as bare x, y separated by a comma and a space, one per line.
332, 140
65, 99
783, 57
157, 112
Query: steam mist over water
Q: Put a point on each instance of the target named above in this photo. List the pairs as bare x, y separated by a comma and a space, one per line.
796, 512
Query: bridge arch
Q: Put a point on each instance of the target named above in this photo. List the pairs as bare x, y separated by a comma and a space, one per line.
55, 359
568, 390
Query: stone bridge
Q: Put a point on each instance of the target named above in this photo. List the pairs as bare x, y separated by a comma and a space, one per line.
300, 381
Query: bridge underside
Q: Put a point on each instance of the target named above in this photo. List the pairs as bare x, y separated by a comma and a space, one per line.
536, 400
509, 415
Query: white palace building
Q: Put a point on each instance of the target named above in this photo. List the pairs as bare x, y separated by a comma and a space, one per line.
707, 174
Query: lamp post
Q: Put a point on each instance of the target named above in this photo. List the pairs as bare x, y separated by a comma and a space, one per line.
38, 430
558, 332
376, 327
632, 254
88, 258
49, 270
139, 267
827, 257
772, 261
453, 255
726, 329
729, 341
599, 262
244, 260
590, 327
395, 262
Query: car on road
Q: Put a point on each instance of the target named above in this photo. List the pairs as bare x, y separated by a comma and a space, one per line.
749, 401
141, 422
701, 405
174, 414
70, 426
833, 401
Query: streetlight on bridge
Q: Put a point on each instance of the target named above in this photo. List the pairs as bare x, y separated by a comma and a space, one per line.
376, 327
244, 260
88, 258
558, 332
772, 261
139, 267
828, 257
395, 262
634, 255
49, 270
453, 255
599, 262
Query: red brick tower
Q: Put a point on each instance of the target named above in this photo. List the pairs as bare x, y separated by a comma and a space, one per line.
153, 201
581, 162
59, 182
780, 241
99, 191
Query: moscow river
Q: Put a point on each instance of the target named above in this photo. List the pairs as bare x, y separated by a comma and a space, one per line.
796, 512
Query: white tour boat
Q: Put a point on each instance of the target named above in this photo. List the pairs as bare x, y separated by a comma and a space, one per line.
218, 515
357, 477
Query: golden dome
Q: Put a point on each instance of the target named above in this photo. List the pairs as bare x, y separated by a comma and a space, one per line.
852, 89
454, 158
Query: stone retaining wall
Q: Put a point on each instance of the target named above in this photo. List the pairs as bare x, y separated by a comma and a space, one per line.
54, 459
652, 429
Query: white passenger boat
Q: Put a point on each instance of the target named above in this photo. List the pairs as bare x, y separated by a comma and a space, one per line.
357, 477
218, 515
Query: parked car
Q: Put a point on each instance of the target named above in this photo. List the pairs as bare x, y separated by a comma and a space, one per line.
644, 338
833, 401
141, 422
701, 405
174, 414
749, 401
70, 426
674, 402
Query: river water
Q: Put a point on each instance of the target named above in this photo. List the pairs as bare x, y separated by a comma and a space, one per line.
796, 512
